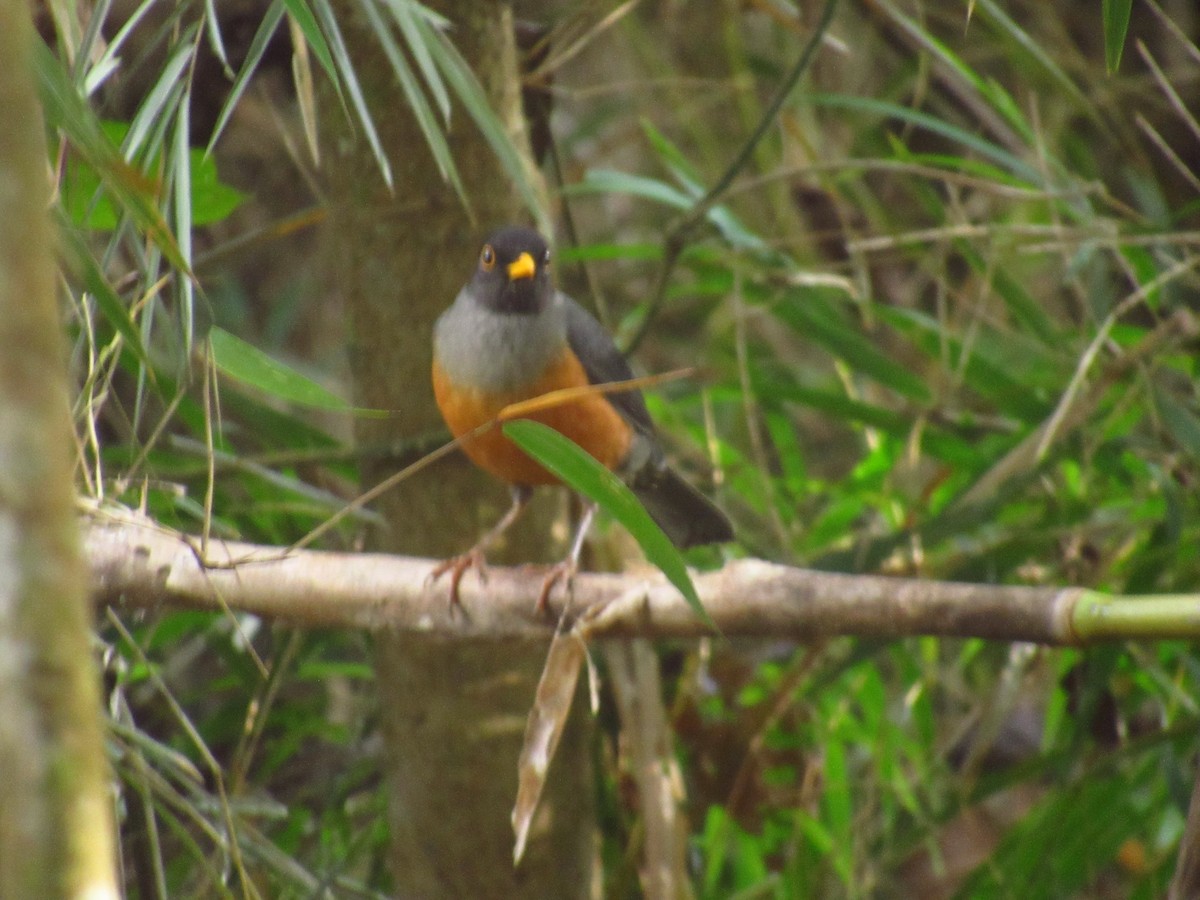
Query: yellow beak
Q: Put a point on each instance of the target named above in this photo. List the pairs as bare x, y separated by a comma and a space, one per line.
522, 267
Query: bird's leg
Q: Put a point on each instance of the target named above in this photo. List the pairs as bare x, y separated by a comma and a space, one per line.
475, 558
565, 570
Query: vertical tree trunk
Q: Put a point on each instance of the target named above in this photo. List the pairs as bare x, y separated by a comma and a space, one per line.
56, 832
453, 714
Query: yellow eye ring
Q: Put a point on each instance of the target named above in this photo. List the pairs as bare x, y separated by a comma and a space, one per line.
487, 258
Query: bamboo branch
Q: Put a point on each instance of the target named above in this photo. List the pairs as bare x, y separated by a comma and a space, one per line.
137, 564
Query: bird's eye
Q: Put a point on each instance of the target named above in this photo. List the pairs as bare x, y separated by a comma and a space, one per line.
546, 258
487, 258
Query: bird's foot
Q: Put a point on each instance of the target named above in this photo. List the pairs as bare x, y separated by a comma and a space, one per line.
458, 566
560, 572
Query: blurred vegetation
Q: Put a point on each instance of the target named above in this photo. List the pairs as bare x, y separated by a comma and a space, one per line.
947, 319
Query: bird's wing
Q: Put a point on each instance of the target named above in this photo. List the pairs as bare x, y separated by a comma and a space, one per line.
603, 363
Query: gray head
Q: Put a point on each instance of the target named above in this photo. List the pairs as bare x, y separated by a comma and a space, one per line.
513, 274
508, 323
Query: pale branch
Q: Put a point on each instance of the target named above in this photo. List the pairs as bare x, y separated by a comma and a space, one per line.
139, 565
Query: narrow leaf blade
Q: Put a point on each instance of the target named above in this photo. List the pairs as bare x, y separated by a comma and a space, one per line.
584, 474
66, 109
246, 363
254, 54
543, 728
466, 86
78, 257
1116, 25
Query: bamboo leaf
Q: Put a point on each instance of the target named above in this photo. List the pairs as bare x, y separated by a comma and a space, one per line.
155, 112
92, 34
730, 227
246, 363
212, 25
808, 313
471, 94
254, 54
302, 15
986, 88
406, 17
1043, 57
181, 177
1015, 371
1181, 422
110, 59
345, 68
417, 101
1115, 15
79, 258
671, 156
66, 110
584, 474
89, 206
609, 181
938, 442
970, 140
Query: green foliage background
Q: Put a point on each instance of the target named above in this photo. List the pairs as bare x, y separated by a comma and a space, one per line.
947, 320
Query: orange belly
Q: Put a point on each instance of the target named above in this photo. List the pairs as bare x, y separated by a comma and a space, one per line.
592, 422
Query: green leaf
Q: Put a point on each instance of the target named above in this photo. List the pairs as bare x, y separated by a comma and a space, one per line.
216, 42
100, 68
988, 89
685, 173
405, 14
837, 805
181, 196
608, 181
66, 109
246, 363
417, 102
1181, 422
1017, 373
1115, 14
157, 109
254, 54
915, 118
808, 313
470, 93
332, 39
212, 199
93, 209
582, 472
1040, 54
607, 252
936, 441
303, 16
78, 257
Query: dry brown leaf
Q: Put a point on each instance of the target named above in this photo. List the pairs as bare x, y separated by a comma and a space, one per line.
551, 706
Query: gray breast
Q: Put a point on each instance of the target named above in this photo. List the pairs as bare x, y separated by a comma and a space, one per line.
477, 346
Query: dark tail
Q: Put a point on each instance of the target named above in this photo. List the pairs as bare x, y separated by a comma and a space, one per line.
687, 517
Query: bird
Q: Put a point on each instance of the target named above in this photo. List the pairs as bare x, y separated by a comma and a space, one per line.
510, 336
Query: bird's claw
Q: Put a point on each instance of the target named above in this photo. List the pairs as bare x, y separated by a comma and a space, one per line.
564, 572
458, 566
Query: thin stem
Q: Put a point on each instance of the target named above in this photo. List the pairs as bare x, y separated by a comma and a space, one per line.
680, 231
